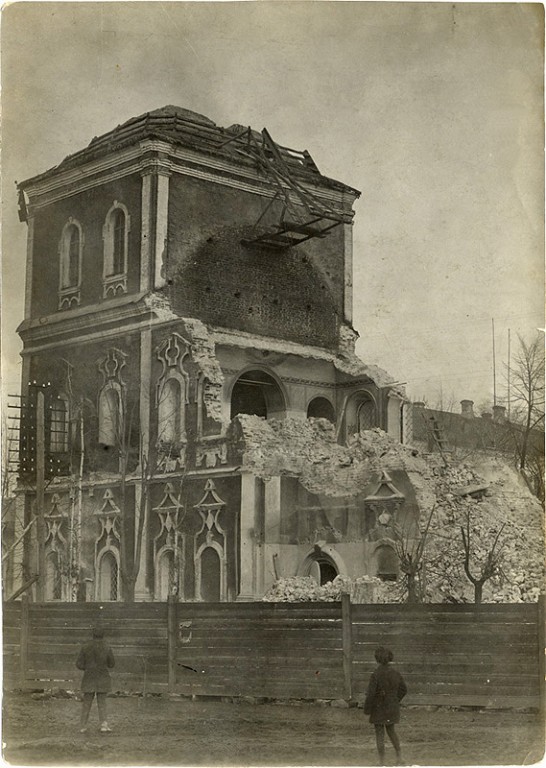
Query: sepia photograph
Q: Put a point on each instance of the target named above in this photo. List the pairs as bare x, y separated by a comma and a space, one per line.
273, 383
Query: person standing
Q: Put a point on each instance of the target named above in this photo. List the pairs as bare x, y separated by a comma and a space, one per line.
95, 659
386, 690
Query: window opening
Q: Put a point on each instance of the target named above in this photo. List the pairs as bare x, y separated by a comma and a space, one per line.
53, 577
166, 575
73, 258
109, 417
367, 418
59, 423
118, 260
387, 564
256, 393
108, 577
321, 408
169, 412
210, 575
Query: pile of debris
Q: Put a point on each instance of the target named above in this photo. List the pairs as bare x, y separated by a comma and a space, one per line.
484, 496
365, 589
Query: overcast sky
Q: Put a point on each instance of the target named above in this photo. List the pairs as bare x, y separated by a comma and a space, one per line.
433, 110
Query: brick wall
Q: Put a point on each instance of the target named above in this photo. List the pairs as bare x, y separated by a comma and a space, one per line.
295, 293
89, 208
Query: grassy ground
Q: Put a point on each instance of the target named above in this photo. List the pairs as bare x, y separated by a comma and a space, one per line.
162, 731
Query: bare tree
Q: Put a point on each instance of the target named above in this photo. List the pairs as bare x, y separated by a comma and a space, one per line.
410, 542
527, 413
483, 555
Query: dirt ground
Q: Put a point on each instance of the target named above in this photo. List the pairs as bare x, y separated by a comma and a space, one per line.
163, 731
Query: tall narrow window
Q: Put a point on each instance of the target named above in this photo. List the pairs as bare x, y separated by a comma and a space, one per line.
73, 258
70, 251
59, 427
166, 575
387, 563
109, 417
169, 412
53, 584
108, 577
367, 415
115, 237
210, 576
118, 261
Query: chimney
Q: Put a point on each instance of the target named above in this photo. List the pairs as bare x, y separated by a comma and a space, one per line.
487, 416
499, 414
467, 409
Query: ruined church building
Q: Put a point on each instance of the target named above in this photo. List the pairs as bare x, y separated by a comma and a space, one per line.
179, 276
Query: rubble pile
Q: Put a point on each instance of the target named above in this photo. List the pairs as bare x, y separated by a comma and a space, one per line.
305, 448
486, 491
365, 589
458, 495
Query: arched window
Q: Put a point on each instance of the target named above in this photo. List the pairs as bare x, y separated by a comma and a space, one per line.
53, 582
73, 276
321, 408
169, 412
367, 415
387, 563
109, 416
58, 442
70, 251
258, 394
115, 236
108, 577
210, 576
118, 227
166, 575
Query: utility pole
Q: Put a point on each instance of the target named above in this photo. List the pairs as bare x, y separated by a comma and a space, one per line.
509, 374
494, 364
40, 484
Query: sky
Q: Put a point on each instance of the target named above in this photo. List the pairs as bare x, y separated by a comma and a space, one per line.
434, 111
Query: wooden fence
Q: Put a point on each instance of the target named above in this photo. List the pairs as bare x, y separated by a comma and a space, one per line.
486, 656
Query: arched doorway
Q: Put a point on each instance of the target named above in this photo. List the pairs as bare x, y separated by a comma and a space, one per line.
321, 408
256, 393
321, 568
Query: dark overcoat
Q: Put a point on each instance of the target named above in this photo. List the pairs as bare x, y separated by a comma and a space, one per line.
96, 659
385, 692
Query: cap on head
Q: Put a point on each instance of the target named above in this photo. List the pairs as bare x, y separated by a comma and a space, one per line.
383, 655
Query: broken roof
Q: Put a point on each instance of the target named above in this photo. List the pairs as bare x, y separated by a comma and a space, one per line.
185, 128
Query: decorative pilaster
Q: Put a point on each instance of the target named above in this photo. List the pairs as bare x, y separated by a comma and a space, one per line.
249, 502
145, 226
28, 281
161, 225
142, 591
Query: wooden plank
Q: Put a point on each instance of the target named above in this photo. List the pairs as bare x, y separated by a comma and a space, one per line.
541, 643
23, 654
364, 610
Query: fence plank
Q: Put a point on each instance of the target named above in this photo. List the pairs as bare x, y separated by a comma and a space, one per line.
454, 654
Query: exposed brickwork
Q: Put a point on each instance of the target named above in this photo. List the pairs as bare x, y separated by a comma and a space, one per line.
295, 293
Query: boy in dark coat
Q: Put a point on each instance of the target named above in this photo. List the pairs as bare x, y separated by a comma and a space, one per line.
385, 692
95, 659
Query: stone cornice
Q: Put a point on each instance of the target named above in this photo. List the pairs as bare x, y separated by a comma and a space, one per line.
160, 157
49, 331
